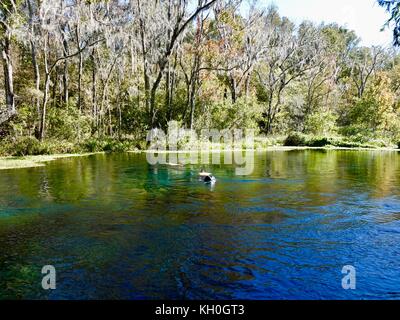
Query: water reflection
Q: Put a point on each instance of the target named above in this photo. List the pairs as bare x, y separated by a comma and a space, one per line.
116, 227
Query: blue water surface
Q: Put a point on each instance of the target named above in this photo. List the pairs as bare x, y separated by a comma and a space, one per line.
116, 227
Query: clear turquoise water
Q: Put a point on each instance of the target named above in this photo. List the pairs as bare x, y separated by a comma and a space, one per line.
117, 228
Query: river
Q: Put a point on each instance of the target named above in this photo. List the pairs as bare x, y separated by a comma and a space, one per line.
116, 227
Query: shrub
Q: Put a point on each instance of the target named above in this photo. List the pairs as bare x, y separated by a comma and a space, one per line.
319, 142
68, 124
107, 145
301, 140
141, 145
94, 145
61, 147
353, 143
380, 143
295, 140
345, 143
25, 146
321, 123
244, 113
28, 146
117, 146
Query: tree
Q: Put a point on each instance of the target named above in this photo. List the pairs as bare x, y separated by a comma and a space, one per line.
364, 62
161, 25
287, 58
376, 114
51, 16
32, 36
109, 69
241, 45
320, 75
191, 56
8, 12
393, 7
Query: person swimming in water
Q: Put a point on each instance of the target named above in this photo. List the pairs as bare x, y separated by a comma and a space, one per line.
207, 177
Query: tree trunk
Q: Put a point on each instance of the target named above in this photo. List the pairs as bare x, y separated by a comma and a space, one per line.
232, 87
153, 106
44, 107
168, 93
192, 91
80, 68
35, 63
94, 104
247, 85
192, 104
65, 77
269, 114
145, 71
36, 74
8, 74
104, 93
46, 93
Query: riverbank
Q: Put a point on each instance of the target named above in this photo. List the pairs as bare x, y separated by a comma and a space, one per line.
33, 161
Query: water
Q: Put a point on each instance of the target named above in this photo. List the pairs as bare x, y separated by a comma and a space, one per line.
117, 228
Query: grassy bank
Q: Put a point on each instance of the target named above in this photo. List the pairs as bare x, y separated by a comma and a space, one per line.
32, 161
30, 146
356, 142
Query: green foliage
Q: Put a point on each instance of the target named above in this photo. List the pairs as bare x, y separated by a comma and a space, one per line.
94, 145
24, 123
315, 79
134, 119
302, 140
224, 114
321, 123
320, 142
393, 7
295, 140
264, 142
68, 124
374, 115
27, 145
108, 145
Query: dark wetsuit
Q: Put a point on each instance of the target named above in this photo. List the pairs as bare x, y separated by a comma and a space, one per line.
209, 179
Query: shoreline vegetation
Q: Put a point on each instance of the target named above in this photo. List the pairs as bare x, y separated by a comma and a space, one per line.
28, 152
30, 146
82, 84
